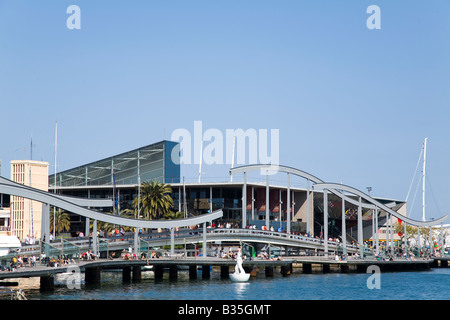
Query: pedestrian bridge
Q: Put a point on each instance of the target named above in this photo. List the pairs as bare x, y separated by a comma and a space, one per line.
223, 235
152, 241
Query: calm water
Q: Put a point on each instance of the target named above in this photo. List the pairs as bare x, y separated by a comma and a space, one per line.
424, 285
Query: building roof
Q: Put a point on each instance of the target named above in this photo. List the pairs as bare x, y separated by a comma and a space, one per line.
152, 162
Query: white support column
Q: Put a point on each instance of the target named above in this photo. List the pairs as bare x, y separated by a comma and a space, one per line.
325, 221
293, 206
423, 178
377, 244
360, 229
308, 217
136, 241
210, 200
288, 205
392, 237
184, 200
344, 233
280, 202
244, 202
45, 224
179, 199
373, 228
388, 230
405, 241
253, 203
87, 227
172, 241
267, 201
204, 240
94, 236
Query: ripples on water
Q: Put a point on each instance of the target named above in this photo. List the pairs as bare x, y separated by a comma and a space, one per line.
425, 285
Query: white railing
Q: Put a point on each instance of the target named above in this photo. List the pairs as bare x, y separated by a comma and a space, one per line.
279, 235
127, 240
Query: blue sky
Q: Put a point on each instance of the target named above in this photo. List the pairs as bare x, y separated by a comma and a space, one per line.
352, 105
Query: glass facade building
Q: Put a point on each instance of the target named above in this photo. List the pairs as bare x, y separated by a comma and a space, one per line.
151, 163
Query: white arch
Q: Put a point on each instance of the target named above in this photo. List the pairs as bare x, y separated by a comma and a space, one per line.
69, 204
336, 189
83, 202
300, 173
331, 186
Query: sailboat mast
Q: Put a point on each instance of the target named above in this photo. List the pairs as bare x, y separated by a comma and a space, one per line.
232, 158
31, 211
201, 160
423, 178
56, 150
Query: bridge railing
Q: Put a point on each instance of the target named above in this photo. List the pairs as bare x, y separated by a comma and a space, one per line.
273, 234
75, 247
286, 236
144, 246
49, 252
187, 233
71, 250
103, 246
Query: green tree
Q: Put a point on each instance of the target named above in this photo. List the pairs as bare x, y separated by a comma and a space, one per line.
108, 227
61, 220
411, 232
155, 201
171, 215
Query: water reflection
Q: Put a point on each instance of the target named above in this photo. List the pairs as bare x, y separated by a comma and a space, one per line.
401, 285
241, 289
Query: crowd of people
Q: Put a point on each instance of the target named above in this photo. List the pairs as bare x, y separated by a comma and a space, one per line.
386, 254
88, 256
232, 254
144, 255
223, 254
19, 261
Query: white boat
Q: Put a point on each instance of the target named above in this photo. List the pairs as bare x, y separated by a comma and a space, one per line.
8, 244
239, 277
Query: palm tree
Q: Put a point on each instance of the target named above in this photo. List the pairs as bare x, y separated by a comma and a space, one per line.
174, 215
155, 200
62, 221
108, 227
